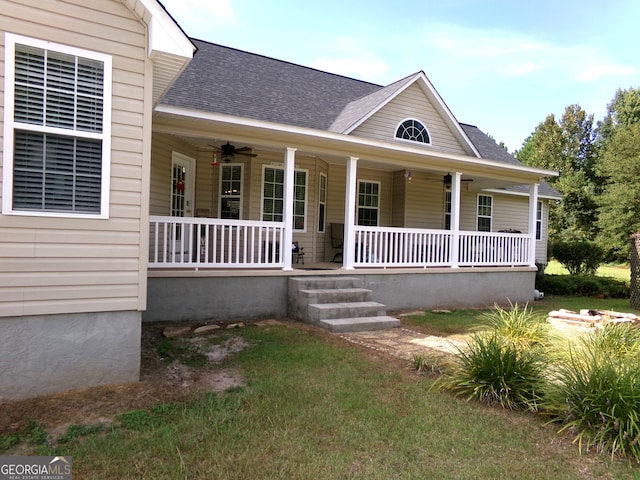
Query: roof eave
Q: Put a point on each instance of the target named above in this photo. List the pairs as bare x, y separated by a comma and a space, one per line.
341, 144
168, 47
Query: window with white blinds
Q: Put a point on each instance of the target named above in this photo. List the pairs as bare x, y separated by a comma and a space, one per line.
273, 196
60, 121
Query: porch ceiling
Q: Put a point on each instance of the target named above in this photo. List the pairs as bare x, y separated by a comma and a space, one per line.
203, 130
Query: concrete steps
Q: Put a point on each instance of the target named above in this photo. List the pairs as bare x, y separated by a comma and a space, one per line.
338, 303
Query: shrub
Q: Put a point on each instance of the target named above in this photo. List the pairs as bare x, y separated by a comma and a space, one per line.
584, 286
493, 370
519, 325
578, 256
596, 391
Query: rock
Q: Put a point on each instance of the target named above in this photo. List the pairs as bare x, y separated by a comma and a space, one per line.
206, 329
176, 331
235, 325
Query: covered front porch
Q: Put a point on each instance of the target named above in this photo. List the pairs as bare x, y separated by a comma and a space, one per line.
207, 243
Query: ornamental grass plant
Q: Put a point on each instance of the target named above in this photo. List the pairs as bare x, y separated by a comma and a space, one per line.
504, 365
595, 391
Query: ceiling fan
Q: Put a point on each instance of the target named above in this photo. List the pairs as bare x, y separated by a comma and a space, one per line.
228, 151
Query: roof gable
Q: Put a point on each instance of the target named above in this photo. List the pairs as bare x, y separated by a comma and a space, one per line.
359, 111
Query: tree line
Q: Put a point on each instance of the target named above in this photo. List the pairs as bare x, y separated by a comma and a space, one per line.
599, 166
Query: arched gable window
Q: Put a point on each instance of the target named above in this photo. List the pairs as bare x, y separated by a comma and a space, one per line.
414, 131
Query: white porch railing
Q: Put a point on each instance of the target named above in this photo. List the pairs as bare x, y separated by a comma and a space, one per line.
188, 242
406, 247
402, 247
489, 248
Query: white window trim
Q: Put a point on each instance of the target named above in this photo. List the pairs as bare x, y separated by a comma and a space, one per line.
306, 194
320, 202
413, 142
447, 213
539, 211
478, 216
220, 196
10, 41
358, 199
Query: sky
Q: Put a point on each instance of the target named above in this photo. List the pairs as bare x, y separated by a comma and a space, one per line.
502, 65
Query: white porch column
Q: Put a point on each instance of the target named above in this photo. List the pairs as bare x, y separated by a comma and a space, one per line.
285, 248
455, 218
533, 210
351, 192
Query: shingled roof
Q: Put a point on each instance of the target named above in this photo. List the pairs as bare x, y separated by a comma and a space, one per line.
225, 80
229, 81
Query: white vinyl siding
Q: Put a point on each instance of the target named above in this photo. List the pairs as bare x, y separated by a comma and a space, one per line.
57, 148
412, 103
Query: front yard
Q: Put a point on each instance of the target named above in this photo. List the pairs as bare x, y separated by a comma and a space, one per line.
306, 405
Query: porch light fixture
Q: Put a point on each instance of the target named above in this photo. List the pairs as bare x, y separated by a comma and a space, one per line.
408, 175
447, 180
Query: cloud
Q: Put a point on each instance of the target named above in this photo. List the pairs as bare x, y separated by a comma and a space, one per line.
512, 54
352, 60
595, 72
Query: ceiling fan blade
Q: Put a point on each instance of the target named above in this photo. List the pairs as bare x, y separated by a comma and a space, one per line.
246, 154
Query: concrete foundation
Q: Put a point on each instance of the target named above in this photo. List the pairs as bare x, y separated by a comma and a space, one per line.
245, 297
200, 299
52, 353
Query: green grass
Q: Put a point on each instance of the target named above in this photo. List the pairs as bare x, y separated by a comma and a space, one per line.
619, 272
314, 408
461, 323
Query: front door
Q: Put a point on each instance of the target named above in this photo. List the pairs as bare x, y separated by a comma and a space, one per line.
182, 198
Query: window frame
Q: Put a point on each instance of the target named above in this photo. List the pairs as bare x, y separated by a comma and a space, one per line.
376, 208
11, 126
447, 209
322, 202
415, 142
221, 194
539, 216
305, 200
479, 216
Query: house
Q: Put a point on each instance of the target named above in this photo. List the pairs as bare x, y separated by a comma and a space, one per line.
147, 176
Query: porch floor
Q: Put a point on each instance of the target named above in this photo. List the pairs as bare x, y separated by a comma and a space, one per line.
322, 268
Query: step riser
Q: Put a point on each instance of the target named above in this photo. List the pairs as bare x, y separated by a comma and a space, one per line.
336, 296
319, 312
322, 283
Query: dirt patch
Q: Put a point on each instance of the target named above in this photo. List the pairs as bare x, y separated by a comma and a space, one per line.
160, 382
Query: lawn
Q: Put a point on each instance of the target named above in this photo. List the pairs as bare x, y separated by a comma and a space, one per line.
619, 272
315, 407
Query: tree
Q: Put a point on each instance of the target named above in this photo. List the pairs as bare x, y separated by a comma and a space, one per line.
619, 212
618, 169
567, 146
